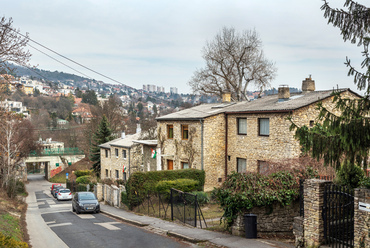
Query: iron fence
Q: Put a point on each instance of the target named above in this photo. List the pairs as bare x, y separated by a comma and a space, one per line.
57, 152
155, 204
338, 216
301, 197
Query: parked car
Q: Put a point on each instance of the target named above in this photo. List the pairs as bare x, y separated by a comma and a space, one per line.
52, 187
85, 202
56, 190
64, 194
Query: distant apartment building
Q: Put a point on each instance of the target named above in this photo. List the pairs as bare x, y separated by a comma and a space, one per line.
173, 90
160, 89
13, 106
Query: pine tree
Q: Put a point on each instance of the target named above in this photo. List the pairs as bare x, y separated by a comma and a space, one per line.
102, 135
344, 139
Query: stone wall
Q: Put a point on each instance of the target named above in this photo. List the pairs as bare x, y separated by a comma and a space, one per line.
362, 219
271, 220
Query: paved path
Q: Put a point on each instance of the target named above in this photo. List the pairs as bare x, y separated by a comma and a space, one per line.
194, 235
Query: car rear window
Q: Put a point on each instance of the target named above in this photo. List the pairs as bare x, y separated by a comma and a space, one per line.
65, 191
87, 196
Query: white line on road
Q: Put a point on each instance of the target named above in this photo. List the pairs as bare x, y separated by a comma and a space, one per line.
86, 216
50, 222
109, 225
61, 224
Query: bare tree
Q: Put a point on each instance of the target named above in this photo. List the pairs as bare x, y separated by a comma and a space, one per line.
233, 62
12, 45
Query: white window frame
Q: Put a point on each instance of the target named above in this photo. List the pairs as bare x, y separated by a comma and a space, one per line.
239, 163
264, 127
242, 126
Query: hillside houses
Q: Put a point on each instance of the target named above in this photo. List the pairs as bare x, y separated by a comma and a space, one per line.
224, 137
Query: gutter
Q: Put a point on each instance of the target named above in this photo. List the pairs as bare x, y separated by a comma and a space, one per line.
201, 145
226, 135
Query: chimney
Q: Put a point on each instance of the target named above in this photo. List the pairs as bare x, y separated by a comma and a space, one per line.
283, 93
123, 135
138, 128
226, 97
308, 85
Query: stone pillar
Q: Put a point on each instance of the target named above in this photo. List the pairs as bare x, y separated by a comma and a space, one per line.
99, 191
313, 203
115, 192
362, 218
298, 232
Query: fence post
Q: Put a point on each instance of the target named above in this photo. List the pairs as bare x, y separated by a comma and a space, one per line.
171, 200
195, 209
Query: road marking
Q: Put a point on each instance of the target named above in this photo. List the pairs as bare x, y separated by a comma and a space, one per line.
61, 224
109, 225
86, 216
50, 222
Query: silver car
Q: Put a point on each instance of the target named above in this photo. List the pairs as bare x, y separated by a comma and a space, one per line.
64, 194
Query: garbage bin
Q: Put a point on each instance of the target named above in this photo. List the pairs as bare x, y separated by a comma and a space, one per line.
250, 226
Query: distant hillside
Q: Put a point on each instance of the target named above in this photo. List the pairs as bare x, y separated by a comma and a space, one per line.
47, 75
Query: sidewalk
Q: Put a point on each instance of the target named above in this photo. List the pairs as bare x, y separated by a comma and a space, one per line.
194, 235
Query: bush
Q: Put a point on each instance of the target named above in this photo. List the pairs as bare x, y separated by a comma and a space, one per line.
350, 175
124, 198
366, 182
202, 197
7, 241
140, 184
83, 180
185, 185
80, 173
20, 188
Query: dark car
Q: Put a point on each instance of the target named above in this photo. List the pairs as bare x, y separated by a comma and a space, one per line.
56, 190
85, 202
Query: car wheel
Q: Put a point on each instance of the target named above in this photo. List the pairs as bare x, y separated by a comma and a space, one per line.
97, 211
77, 211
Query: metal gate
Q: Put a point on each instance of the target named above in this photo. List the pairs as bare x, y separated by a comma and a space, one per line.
338, 216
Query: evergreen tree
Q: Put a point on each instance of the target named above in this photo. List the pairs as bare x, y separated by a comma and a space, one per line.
102, 135
344, 140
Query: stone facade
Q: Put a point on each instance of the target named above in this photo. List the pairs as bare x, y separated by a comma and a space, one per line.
362, 219
271, 220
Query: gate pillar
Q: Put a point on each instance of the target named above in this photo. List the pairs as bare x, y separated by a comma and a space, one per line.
313, 202
362, 218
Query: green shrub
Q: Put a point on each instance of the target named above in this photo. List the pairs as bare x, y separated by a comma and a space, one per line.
124, 198
202, 197
7, 241
350, 175
185, 185
83, 180
80, 173
366, 182
140, 184
20, 188
241, 192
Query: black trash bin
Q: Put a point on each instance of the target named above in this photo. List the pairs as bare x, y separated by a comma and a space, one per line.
250, 226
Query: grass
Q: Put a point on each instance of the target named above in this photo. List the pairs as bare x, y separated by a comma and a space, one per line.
10, 226
59, 178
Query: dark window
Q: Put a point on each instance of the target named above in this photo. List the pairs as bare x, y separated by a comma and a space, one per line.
262, 167
242, 126
170, 131
116, 152
185, 132
106, 153
241, 165
264, 127
106, 172
117, 174
184, 165
124, 153
311, 123
124, 176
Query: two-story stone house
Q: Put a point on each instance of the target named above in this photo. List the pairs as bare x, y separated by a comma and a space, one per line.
224, 137
125, 155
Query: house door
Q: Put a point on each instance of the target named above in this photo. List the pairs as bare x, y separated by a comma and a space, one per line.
170, 164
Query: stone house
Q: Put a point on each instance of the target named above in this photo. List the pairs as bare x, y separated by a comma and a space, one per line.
224, 137
125, 155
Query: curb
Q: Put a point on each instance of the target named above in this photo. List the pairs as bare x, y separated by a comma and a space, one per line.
186, 238
133, 222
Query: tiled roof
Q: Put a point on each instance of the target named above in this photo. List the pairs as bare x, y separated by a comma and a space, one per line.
126, 142
265, 104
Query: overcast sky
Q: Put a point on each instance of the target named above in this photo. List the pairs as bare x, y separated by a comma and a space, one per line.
160, 42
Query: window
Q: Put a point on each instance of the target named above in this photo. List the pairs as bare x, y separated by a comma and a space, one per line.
242, 125
264, 127
184, 165
170, 131
124, 155
241, 165
106, 153
117, 174
106, 172
262, 167
124, 176
185, 132
116, 152
312, 123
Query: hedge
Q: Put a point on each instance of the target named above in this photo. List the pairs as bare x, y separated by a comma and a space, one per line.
80, 173
140, 184
184, 184
83, 180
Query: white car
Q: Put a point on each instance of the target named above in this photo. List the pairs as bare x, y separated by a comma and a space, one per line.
64, 194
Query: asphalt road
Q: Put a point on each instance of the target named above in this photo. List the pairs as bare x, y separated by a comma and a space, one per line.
53, 224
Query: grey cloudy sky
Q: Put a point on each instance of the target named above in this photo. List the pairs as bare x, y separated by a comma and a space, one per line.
159, 42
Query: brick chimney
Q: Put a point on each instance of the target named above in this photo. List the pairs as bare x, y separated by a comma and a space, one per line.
283, 92
308, 85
